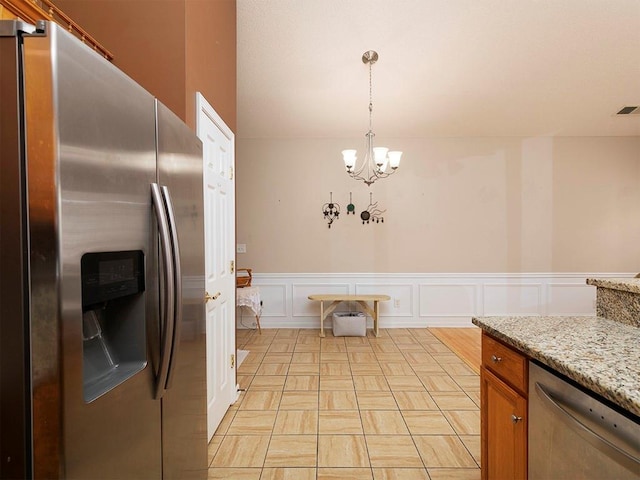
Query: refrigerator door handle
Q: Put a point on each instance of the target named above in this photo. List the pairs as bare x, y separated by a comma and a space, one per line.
177, 271
168, 296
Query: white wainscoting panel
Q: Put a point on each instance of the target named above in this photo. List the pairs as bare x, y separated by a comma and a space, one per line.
510, 299
401, 303
276, 306
428, 299
303, 307
570, 299
448, 300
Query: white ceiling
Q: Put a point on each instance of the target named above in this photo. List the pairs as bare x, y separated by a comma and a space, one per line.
446, 67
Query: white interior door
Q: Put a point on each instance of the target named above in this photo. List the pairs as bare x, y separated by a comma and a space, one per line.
219, 212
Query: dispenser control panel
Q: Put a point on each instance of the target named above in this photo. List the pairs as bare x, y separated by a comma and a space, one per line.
110, 275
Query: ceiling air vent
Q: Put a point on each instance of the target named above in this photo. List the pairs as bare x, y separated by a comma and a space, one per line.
629, 110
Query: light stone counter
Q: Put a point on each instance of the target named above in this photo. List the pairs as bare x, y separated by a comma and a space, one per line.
618, 299
625, 284
601, 355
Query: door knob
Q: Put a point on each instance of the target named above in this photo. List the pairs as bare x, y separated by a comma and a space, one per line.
208, 297
515, 419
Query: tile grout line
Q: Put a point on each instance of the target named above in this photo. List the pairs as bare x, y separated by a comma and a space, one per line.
413, 441
266, 453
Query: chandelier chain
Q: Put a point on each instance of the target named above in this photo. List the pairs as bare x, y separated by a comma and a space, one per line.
370, 100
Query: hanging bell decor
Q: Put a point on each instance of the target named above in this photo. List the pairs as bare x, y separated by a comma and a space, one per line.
351, 208
331, 210
372, 213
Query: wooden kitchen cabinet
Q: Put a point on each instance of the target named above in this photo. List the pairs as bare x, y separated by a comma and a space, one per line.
503, 389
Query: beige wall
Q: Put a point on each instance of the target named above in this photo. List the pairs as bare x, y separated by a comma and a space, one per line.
173, 48
455, 205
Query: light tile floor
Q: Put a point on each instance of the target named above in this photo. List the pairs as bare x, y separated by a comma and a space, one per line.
400, 406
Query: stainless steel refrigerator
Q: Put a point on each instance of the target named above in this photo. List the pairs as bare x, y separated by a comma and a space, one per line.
102, 335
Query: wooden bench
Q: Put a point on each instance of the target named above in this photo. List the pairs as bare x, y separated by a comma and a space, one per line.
362, 300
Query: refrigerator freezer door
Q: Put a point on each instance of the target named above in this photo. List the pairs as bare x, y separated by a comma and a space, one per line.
91, 158
184, 432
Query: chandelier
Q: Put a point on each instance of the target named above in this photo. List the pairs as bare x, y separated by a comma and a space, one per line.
378, 162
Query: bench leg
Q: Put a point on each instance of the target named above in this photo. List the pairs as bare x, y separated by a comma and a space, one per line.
373, 313
376, 310
325, 313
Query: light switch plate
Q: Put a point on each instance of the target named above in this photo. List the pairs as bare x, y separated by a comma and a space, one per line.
241, 248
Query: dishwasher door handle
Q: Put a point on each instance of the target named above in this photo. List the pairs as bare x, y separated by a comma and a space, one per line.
602, 444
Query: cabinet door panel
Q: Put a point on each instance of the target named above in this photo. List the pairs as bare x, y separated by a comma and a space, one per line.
504, 430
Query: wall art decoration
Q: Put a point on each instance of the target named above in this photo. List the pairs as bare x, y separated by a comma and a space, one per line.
331, 210
351, 208
372, 213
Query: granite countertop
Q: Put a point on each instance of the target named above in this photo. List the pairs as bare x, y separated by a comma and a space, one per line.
601, 355
626, 284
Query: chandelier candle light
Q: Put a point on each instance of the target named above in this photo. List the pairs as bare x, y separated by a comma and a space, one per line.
378, 162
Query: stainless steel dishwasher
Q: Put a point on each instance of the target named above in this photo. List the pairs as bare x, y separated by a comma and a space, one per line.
575, 435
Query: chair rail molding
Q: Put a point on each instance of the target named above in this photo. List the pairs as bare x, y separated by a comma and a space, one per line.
421, 300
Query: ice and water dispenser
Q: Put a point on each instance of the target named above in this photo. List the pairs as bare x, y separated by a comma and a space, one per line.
113, 319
